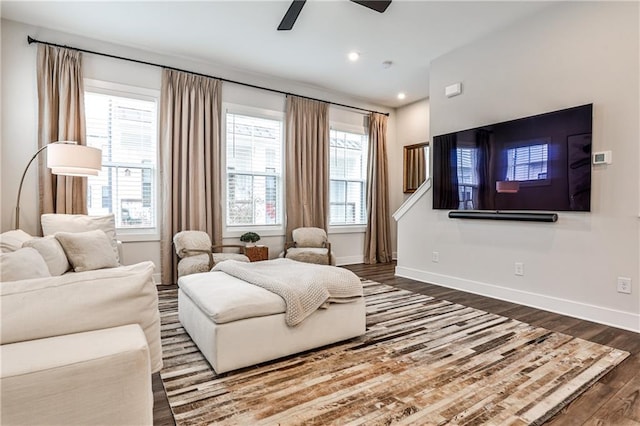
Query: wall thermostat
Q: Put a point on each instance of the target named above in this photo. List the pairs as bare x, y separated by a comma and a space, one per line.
602, 157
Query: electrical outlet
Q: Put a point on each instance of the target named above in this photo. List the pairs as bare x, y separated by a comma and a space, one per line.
624, 285
519, 269
435, 257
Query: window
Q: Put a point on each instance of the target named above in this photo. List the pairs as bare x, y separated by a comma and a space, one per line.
254, 170
348, 178
528, 162
122, 122
467, 168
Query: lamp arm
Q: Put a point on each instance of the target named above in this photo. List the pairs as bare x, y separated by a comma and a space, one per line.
25, 173
22, 181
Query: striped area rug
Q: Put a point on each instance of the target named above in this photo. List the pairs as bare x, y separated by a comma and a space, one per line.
423, 361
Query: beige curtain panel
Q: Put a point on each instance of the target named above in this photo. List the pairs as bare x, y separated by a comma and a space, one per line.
416, 167
377, 240
190, 155
60, 118
306, 164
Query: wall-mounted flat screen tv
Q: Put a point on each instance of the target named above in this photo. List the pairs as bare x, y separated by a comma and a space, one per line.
541, 162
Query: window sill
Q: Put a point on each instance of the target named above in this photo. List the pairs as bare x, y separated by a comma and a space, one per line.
129, 236
263, 231
347, 229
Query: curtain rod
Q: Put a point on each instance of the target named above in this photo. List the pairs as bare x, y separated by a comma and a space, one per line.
31, 40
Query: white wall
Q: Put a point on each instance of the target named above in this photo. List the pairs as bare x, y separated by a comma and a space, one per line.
570, 54
19, 120
412, 122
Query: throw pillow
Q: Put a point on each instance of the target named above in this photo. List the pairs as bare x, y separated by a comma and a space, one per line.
52, 253
53, 223
13, 240
87, 251
22, 264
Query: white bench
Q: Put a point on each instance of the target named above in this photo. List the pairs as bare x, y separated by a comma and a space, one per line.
236, 324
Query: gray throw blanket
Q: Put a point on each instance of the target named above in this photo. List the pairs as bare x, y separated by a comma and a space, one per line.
304, 287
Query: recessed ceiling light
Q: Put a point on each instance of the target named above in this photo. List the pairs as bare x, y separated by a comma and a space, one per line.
354, 56
401, 95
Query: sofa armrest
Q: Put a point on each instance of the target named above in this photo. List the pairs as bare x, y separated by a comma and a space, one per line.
83, 301
68, 379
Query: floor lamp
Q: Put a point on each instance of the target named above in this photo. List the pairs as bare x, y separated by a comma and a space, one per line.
65, 158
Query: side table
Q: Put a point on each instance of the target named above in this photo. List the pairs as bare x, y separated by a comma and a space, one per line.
257, 253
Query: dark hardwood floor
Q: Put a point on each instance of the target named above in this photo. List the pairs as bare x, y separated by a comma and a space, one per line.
613, 400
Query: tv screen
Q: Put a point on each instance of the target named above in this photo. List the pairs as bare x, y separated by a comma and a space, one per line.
541, 162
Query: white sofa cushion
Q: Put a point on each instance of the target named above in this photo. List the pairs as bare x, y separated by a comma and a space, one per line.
54, 223
22, 264
87, 251
90, 378
13, 240
52, 253
310, 255
83, 301
224, 298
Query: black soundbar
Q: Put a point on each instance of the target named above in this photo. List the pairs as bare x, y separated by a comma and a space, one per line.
498, 215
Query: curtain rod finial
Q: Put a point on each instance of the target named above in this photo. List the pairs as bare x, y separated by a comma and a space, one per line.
31, 40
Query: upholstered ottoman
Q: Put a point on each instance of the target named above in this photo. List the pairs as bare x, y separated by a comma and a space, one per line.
236, 324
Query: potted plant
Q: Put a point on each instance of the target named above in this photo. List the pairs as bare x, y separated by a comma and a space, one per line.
250, 238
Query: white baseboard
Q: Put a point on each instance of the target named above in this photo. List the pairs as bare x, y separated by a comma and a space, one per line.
354, 260
620, 319
349, 260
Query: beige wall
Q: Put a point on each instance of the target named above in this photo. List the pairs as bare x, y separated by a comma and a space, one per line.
570, 54
413, 123
19, 121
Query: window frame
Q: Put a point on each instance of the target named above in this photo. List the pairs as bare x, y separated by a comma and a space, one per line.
145, 94
235, 231
474, 186
349, 228
528, 144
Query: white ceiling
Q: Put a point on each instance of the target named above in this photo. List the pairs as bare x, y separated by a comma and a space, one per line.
242, 35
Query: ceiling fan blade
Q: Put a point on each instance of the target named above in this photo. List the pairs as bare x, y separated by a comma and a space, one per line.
292, 14
377, 5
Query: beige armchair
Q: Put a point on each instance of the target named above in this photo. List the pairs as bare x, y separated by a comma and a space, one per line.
310, 245
198, 255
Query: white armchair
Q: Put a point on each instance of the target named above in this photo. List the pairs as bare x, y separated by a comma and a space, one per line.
310, 245
198, 255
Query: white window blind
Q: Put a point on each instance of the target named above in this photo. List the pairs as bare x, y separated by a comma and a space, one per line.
348, 177
125, 129
528, 162
467, 166
254, 170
